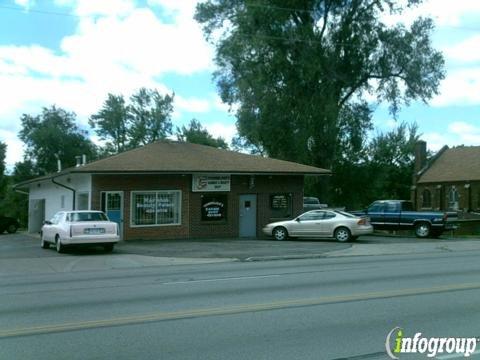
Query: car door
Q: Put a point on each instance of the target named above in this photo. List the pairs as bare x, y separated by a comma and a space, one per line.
376, 214
391, 215
309, 224
47, 229
328, 223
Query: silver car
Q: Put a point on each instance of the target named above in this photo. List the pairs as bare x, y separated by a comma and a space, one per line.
321, 223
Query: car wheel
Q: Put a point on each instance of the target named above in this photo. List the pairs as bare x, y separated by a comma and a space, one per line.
45, 244
108, 247
422, 230
12, 228
280, 233
342, 234
58, 244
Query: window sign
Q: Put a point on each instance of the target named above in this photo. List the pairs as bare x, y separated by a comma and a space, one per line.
279, 201
156, 208
210, 182
281, 205
214, 208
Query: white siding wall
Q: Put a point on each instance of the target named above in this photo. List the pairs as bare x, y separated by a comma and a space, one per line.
55, 196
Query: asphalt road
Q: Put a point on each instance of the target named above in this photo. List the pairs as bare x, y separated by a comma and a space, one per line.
330, 308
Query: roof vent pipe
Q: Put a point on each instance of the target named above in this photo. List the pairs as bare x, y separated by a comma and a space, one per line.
79, 160
84, 159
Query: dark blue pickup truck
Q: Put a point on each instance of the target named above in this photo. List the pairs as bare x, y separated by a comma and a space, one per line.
399, 215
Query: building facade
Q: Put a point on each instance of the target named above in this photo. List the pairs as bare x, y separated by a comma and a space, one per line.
175, 190
450, 181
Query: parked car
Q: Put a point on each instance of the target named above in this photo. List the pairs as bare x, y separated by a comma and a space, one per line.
399, 215
79, 227
312, 203
321, 223
8, 224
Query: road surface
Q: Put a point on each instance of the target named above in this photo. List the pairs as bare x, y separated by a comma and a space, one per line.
330, 308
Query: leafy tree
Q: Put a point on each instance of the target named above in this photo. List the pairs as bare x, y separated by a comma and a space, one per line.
240, 143
150, 114
384, 172
300, 70
53, 134
111, 124
3, 176
197, 134
145, 119
15, 204
392, 157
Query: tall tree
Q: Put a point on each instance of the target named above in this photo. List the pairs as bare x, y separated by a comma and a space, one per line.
383, 170
150, 115
3, 175
53, 134
392, 157
111, 124
15, 204
197, 134
299, 70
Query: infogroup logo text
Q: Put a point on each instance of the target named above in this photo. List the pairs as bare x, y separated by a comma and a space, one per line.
429, 347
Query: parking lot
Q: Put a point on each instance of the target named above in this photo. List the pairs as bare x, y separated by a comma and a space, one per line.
21, 253
22, 245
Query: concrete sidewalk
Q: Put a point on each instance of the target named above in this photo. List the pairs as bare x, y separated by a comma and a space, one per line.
241, 249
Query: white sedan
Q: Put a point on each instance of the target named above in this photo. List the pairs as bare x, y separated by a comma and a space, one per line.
79, 227
321, 223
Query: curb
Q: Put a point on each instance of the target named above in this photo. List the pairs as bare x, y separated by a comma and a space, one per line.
284, 257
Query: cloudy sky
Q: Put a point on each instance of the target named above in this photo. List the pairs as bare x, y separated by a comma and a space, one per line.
73, 52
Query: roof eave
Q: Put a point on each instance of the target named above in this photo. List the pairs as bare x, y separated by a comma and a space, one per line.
188, 172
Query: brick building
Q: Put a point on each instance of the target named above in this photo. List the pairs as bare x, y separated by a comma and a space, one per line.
450, 180
174, 190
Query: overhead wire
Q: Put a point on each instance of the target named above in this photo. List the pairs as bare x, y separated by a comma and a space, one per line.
248, 4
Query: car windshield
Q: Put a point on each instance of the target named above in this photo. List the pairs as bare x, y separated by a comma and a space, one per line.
87, 216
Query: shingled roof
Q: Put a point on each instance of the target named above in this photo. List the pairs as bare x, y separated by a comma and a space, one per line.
460, 163
182, 157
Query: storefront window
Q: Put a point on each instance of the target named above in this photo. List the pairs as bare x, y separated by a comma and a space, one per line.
281, 205
214, 208
156, 208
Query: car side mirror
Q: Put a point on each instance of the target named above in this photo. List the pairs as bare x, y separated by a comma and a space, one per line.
47, 222
297, 220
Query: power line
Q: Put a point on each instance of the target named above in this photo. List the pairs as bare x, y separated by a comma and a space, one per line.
58, 13
43, 12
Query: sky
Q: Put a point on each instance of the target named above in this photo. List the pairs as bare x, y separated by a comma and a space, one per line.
72, 53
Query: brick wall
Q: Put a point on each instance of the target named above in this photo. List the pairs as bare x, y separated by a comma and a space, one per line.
192, 225
129, 183
263, 187
468, 196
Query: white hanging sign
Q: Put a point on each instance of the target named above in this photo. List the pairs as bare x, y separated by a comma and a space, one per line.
210, 182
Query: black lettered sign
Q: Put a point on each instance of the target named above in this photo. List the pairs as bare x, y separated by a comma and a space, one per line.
214, 208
